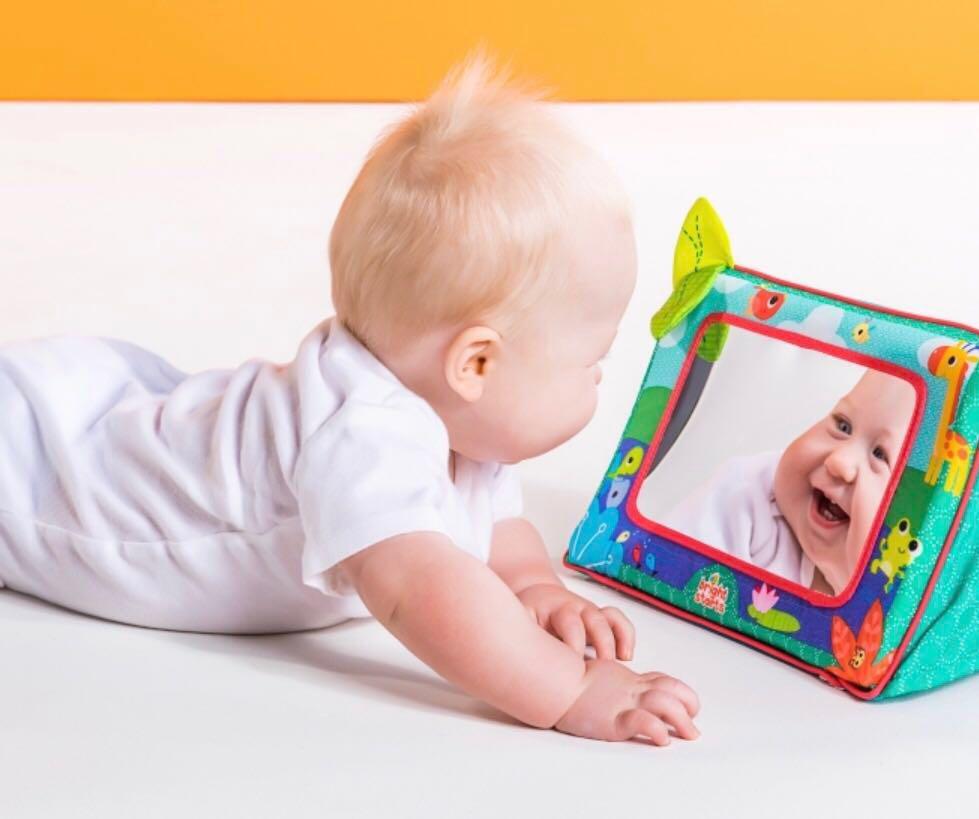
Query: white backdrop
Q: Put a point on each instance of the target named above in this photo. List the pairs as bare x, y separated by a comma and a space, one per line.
200, 232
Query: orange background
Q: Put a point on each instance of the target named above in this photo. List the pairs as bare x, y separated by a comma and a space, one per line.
584, 49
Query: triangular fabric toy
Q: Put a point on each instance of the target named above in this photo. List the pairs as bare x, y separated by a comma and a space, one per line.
909, 619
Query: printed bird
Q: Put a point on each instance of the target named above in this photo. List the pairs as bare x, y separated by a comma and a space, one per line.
765, 303
629, 464
861, 333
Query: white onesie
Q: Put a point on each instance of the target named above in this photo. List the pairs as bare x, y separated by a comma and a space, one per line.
220, 501
735, 511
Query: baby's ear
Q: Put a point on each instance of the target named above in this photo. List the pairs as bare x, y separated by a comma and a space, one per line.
471, 355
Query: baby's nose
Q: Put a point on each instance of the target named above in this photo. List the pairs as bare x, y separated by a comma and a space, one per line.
841, 464
598, 375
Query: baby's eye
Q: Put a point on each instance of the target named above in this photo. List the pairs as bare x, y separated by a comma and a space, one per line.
842, 424
880, 453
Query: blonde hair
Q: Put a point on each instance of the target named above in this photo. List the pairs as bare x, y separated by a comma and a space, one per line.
458, 211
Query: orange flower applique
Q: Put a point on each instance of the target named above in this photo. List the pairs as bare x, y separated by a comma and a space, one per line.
856, 655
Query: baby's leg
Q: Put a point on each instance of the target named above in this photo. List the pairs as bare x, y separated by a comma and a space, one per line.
67, 537
221, 583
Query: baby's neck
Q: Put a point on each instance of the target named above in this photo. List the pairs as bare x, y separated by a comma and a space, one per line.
820, 584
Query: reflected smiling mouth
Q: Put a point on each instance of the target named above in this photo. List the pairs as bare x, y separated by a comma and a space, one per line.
825, 512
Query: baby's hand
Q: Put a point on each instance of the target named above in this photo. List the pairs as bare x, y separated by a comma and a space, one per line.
618, 704
579, 622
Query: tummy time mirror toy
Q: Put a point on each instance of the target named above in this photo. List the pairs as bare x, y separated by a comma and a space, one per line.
797, 473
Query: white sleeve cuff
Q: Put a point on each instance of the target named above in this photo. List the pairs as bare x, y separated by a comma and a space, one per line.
320, 558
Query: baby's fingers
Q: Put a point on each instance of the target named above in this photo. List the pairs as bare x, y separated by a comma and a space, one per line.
637, 722
670, 710
624, 631
599, 634
567, 626
683, 692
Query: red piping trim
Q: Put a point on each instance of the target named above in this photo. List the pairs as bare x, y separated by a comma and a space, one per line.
815, 598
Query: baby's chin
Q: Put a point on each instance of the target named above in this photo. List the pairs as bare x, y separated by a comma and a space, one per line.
835, 543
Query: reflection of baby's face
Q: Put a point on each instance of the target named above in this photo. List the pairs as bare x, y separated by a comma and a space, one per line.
830, 481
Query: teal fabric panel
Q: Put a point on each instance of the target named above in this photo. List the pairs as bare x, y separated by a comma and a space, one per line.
945, 644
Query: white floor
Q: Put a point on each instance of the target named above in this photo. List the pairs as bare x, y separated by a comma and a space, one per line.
200, 232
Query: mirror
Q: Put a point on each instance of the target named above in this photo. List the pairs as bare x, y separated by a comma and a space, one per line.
780, 456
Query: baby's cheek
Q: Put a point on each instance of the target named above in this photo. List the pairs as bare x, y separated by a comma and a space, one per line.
871, 493
780, 490
575, 411
556, 412
577, 408
789, 475
865, 507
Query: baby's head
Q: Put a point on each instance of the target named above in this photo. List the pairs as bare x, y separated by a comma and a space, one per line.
486, 256
830, 481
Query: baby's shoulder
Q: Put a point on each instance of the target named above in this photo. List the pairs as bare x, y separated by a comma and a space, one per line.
397, 419
346, 392
753, 469
398, 435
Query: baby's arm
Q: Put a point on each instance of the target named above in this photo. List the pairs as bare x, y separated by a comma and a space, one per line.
519, 556
456, 615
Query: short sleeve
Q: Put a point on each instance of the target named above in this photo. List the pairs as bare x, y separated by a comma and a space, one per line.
733, 510
370, 472
716, 512
505, 492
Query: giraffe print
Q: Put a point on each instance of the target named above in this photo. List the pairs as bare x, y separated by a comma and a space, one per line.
951, 363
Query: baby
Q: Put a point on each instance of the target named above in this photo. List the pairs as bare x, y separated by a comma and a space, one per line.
481, 263
805, 514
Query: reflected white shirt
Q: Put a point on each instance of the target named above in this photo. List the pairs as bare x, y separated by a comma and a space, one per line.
735, 511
